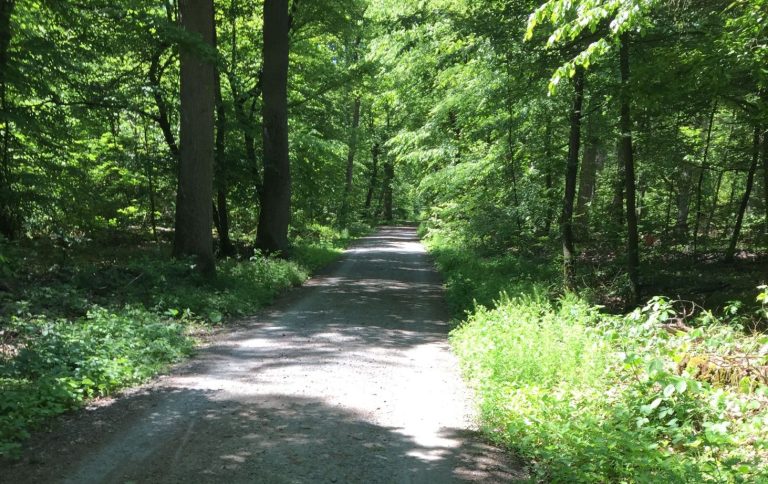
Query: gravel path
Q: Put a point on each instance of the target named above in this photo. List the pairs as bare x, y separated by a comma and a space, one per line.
347, 379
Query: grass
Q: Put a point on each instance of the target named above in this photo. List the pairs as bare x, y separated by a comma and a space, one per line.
82, 323
663, 394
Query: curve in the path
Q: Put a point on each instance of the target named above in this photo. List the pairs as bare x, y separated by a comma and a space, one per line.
347, 379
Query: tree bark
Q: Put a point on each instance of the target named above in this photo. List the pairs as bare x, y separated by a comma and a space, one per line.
221, 218
344, 212
718, 185
374, 174
389, 175
683, 203
700, 183
626, 156
765, 180
571, 174
713, 207
150, 169
193, 199
587, 179
9, 222
731, 250
275, 214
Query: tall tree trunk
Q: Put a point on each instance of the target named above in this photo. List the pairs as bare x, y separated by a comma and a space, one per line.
587, 178
389, 176
626, 156
713, 207
731, 251
374, 174
150, 169
718, 185
193, 199
221, 212
765, 180
700, 183
571, 173
731, 210
619, 185
683, 203
344, 212
8, 209
275, 214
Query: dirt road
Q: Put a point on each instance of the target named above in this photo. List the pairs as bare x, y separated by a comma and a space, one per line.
348, 379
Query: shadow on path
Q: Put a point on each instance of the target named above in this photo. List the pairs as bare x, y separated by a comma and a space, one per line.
348, 379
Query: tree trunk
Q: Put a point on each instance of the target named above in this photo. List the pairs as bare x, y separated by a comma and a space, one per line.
8, 205
765, 180
626, 156
700, 183
221, 219
156, 70
683, 203
571, 173
344, 212
731, 199
374, 174
587, 178
731, 251
150, 168
721, 173
713, 207
275, 214
193, 199
389, 176
617, 204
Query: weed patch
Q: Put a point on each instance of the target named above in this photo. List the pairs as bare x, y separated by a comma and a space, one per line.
80, 327
659, 395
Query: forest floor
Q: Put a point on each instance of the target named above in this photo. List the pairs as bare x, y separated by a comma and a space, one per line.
347, 379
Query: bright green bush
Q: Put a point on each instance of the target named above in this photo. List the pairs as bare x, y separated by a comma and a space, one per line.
588, 397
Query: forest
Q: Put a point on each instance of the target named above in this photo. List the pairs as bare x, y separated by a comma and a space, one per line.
589, 176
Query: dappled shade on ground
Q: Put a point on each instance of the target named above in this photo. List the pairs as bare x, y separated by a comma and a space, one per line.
348, 379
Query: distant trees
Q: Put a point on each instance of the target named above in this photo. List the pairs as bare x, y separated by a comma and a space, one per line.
295, 113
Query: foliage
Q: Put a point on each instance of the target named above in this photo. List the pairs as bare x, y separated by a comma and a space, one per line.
585, 397
89, 326
58, 364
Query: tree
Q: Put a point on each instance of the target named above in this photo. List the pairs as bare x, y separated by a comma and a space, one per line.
626, 157
195, 187
571, 174
8, 216
275, 215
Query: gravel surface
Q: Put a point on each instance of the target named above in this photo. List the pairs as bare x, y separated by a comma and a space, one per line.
347, 379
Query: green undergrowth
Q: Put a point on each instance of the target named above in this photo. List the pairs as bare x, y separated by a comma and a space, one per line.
663, 394
81, 325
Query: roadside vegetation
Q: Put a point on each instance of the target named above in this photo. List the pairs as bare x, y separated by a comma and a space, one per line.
570, 159
83, 323
671, 392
